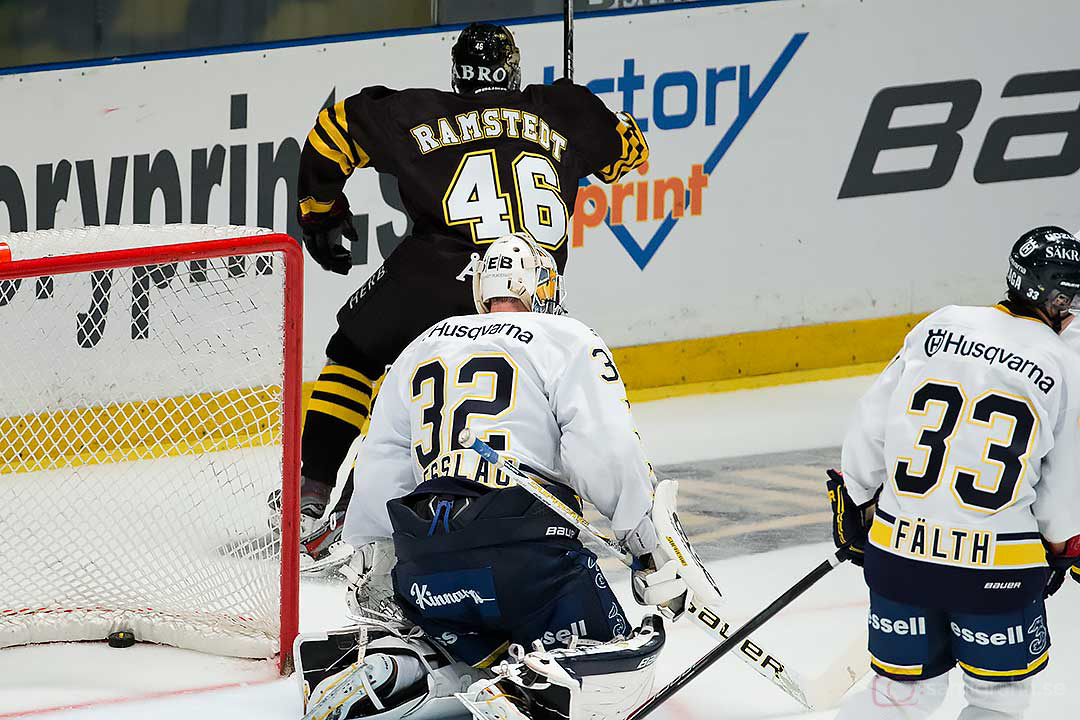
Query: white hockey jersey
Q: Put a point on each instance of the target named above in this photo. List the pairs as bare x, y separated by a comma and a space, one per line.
543, 389
973, 431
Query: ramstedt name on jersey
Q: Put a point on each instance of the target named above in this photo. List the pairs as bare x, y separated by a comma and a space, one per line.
487, 124
941, 340
472, 332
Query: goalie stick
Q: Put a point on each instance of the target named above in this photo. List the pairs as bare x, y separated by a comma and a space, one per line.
739, 635
818, 693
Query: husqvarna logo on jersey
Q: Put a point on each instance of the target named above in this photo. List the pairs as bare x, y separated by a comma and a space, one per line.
934, 340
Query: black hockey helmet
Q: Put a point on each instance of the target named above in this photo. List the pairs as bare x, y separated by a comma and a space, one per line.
1044, 271
485, 57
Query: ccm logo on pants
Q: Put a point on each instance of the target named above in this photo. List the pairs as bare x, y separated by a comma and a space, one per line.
910, 626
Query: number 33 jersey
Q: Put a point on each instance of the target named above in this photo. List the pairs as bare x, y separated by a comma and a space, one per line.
541, 389
973, 434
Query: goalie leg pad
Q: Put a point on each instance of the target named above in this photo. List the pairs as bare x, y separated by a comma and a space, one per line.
371, 671
589, 681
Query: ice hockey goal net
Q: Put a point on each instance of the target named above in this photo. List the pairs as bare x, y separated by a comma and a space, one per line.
149, 405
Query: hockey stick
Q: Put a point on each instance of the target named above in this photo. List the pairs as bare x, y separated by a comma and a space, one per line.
739, 635
568, 40
820, 693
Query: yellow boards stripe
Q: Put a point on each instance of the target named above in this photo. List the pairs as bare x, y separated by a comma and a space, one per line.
328, 152
151, 428
764, 352
338, 411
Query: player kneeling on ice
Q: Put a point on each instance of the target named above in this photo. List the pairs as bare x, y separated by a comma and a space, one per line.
960, 486
508, 607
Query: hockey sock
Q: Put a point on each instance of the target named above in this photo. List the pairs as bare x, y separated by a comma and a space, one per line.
995, 700
887, 699
336, 414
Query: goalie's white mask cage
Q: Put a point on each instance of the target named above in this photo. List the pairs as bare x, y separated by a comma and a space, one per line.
149, 404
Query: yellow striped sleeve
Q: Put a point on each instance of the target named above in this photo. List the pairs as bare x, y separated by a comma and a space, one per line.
635, 150
310, 205
331, 129
342, 160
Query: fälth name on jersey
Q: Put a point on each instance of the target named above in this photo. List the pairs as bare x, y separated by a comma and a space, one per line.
951, 545
448, 329
941, 340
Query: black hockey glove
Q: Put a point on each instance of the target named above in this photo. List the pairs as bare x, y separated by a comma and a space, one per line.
323, 233
851, 522
1061, 565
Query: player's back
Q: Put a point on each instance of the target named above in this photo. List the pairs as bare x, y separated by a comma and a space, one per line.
507, 376
476, 167
980, 398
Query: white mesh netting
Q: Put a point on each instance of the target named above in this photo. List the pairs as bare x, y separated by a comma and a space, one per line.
140, 436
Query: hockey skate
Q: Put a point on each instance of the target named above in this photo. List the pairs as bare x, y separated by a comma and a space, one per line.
321, 549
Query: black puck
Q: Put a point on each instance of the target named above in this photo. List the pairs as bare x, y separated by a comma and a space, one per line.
121, 639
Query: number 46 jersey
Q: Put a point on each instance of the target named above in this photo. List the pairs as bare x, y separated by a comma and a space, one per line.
542, 389
973, 434
473, 168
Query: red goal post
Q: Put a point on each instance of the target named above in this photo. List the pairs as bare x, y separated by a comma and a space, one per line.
150, 390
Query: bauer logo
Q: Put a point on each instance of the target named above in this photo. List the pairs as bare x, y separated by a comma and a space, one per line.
676, 100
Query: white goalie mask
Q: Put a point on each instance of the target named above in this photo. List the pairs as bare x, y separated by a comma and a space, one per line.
514, 266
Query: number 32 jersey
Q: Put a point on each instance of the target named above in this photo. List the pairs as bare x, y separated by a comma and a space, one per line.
542, 389
973, 434
473, 168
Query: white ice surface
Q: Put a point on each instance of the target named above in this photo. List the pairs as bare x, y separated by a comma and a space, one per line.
806, 635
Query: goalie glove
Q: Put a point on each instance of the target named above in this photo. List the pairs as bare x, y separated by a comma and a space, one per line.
370, 590
323, 232
851, 522
652, 585
671, 573
1061, 564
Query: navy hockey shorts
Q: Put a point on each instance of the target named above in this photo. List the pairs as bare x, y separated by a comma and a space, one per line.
480, 568
908, 642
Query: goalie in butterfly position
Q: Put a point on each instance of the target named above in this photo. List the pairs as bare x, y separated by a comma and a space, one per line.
481, 566
472, 165
962, 465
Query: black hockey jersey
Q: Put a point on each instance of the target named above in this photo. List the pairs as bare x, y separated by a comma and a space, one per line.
473, 168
